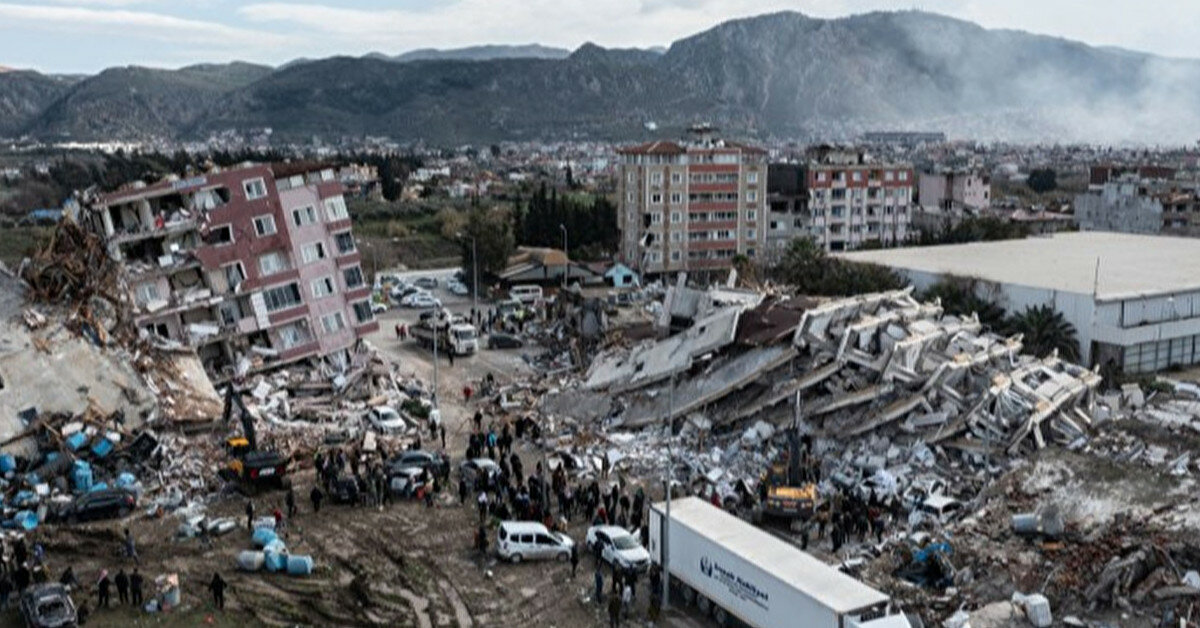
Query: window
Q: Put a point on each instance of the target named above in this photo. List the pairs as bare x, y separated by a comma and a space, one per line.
676, 198
856, 176
362, 312
656, 256
282, 297
220, 236
820, 177
234, 274
353, 277
631, 197
752, 177
676, 177
751, 196
751, 215
323, 287
676, 217
629, 177
304, 216
333, 322
264, 225
254, 188
656, 178
272, 263
147, 292
677, 236
294, 335
344, 242
656, 198
839, 176
676, 256
312, 252
750, 234
889, 175
335, 208
904, 175
656, 218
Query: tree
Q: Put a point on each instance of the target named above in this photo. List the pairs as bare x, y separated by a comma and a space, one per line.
806, 266
1045, 330
1042, 180
959, 297
491, 230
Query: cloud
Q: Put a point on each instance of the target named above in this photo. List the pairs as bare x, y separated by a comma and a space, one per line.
138, 24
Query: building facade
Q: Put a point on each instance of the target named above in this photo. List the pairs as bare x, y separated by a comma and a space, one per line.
954, 190
1130, 203
840, 199
691, 206
254, 265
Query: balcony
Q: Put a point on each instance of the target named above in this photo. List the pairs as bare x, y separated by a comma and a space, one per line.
183, 225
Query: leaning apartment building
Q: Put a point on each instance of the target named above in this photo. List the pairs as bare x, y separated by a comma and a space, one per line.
254, 265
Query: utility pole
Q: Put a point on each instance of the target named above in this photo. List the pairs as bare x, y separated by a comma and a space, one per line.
567, 258
666, 531
435, 362
474, 277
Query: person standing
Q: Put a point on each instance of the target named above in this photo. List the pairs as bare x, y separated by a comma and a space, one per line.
103, 589
574, 560
316, 495
122, 582
614, 611
249, 515
290, 500
217, 586
135, 588
130, 548
442, 430
598, 577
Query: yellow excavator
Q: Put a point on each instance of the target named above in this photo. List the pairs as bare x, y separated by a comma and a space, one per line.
785, 495
249, 466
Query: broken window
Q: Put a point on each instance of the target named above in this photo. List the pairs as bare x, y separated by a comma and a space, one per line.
222, 235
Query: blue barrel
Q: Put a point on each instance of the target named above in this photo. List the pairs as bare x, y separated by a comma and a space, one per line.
102, 447
276, 562
299, 565
7, 463
250, 561
76, 440
263, 536
276, 547
98, 486
26, 519
126, 479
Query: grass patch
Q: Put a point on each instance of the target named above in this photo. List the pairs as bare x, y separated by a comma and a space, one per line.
17, 243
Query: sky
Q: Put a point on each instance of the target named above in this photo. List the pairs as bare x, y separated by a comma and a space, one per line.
85, 36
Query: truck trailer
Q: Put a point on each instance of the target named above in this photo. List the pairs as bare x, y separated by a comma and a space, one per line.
453, 334
741, 575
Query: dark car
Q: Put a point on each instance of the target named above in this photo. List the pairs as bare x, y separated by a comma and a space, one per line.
504, 341
344, 491
428, 283
435, 463
102, 504
48, 606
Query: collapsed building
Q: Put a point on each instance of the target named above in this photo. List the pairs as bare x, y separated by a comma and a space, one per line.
254, 267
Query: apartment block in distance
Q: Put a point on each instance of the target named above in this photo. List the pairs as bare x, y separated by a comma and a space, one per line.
691, 206
840, 198
255, 264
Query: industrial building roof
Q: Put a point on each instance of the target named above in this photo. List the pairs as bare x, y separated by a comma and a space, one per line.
824, 583
1110, 265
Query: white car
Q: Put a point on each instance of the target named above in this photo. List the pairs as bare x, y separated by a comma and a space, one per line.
386, 420
421, 300
458, 289
529, 540
618, 548
378, 307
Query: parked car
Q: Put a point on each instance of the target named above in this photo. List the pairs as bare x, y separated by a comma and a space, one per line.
421, 300
504, 341
378, 307
520, 540
618, 548
469, 470
102, 504
403, 290
436, 463
386, 420
428, 283
344, 491
458, 288
405, 481
48, 606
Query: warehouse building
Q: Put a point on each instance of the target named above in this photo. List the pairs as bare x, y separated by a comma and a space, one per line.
1133, 299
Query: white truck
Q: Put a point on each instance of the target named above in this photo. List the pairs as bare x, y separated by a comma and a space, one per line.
452, 333
736, 572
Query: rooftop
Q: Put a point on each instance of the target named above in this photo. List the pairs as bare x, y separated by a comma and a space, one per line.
1129, 265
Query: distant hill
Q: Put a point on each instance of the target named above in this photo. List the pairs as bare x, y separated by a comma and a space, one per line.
781, 75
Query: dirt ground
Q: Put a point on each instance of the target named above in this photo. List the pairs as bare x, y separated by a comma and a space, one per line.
400, 565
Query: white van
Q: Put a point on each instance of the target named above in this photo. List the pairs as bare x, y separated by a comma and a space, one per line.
526, 293
520, 540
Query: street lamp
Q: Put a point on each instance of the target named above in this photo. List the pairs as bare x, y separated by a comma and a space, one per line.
567, 259
474, 274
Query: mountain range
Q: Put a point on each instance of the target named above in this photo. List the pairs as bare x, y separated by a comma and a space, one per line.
782, 75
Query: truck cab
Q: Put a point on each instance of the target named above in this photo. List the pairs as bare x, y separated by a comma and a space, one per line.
464, 339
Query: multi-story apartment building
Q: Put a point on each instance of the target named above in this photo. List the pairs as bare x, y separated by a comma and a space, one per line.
691, 206
253, 263
954, 190
841, 199
1136, 203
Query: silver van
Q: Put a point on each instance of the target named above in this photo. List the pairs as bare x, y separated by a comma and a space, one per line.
528, 540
